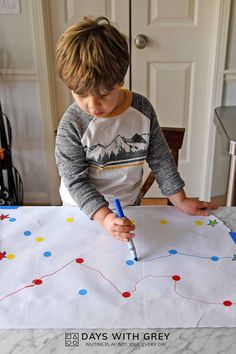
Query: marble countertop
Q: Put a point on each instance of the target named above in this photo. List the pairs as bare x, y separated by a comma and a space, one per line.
169, 341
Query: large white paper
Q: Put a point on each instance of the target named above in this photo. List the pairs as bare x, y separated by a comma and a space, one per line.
58, 269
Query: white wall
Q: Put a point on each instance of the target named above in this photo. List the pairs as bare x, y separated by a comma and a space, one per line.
229, 96
20, 101
221, 155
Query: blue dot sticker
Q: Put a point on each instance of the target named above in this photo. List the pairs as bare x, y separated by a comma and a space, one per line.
130, 262
82, 291
27, 233
47, 254
215, 258
172, 251
12, 219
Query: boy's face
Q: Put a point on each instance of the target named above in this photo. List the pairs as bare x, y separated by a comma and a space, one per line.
102, 105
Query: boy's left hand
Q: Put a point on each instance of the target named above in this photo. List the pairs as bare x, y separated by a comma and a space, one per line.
195, 207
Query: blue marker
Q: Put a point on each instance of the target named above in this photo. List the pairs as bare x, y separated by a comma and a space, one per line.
120, 214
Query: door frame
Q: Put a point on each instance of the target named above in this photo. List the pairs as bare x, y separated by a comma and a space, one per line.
48, 104
218, 58
46, 87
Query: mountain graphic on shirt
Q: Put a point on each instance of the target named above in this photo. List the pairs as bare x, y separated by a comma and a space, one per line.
120, 151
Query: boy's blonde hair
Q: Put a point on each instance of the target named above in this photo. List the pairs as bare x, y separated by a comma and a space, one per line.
92, 56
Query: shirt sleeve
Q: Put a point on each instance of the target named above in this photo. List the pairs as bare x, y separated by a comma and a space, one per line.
73, 168
161, 161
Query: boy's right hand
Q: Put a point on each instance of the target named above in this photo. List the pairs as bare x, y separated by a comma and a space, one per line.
120, 228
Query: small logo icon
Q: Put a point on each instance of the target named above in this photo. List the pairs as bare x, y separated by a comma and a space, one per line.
71, 339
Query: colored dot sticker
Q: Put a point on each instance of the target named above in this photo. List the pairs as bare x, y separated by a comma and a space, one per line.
37, 281
12, 219
176, 277
11, 256
70, 219
27, 233
39, 239
79, 260
133, 221
83, 291
163, 222
126, 294
172, 251
227, 303
199, 222
47, 254
215, 258
129, 262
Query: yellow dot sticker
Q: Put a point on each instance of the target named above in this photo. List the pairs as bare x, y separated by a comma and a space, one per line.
199, 222
11, 256
163, 221
69, 219
133, 221
39, 239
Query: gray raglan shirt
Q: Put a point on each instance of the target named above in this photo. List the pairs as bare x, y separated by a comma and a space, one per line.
100, 159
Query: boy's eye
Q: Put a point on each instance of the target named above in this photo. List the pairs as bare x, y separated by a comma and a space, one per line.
104, 95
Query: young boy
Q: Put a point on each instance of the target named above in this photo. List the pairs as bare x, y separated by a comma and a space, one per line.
104, 137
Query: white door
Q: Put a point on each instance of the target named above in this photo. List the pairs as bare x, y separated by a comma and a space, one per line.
65, 13
175, 72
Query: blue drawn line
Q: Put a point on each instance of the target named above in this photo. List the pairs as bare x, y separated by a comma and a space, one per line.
193, 255
152, 259
175, 252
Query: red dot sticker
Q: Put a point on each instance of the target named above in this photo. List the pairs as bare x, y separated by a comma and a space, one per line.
176, 277
79, 260
126, 294
37, 281
227, 303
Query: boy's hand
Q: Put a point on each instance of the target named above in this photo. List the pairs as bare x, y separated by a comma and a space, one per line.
195, 207
120, 228
191, 206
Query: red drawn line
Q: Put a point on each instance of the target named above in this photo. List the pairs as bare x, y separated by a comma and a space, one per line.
15, 292
125, 294
32, 285
198, 300
48, 275
135, 286
109, 281
149, 276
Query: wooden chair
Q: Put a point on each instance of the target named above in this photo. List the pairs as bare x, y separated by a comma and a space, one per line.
174, 138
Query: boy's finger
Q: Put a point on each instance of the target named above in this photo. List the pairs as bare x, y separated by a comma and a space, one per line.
124, 222
124, 228
201, 212
124, 236
208, 205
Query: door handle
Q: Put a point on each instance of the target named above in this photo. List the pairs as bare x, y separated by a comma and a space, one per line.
141, 41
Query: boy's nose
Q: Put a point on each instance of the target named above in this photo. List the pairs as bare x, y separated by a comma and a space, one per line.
94, 101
